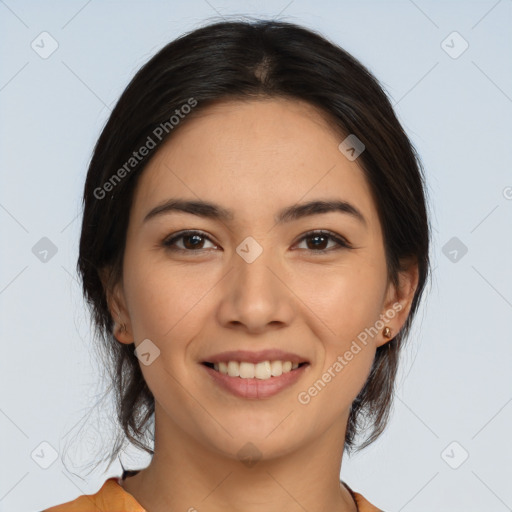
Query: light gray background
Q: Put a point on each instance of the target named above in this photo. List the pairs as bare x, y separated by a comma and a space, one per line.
455, 382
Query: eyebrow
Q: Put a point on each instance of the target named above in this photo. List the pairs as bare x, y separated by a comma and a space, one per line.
290, 213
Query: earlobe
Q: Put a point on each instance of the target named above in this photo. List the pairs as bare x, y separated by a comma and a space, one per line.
117, 308
122, 334
122, 326
399, 301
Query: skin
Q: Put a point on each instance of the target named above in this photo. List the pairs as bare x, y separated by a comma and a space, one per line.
254, 158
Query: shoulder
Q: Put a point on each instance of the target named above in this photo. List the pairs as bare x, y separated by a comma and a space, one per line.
363, 505
111, 497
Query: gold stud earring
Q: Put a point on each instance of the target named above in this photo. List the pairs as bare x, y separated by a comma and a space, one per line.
386, 332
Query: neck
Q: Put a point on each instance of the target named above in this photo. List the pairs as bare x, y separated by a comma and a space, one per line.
185, 475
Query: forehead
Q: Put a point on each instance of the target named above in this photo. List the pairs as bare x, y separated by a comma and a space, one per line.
253, 156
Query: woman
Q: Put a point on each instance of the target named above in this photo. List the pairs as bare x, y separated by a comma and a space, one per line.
254, 247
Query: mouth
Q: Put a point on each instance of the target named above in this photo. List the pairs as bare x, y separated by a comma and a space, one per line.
261, 380
263, 370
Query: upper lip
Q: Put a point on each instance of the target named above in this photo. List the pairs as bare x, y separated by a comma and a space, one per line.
255, 357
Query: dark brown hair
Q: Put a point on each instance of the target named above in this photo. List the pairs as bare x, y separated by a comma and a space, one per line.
247, 60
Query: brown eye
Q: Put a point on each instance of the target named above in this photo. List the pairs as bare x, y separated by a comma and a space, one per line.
317, 241
192, 241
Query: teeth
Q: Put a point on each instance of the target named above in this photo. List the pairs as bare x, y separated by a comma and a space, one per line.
232, 369
276, 368
247, 370
264, 370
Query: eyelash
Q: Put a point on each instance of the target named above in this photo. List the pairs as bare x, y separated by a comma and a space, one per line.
342, 243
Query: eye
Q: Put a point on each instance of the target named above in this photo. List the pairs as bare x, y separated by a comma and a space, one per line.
193, 241
319, 239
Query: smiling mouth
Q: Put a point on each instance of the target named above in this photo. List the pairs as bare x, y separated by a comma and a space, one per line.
264, 370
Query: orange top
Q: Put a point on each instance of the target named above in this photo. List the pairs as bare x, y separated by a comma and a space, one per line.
113, 498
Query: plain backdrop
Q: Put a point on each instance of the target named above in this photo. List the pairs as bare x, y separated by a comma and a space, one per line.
447, 68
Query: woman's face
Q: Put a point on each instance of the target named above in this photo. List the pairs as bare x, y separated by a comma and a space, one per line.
250, 282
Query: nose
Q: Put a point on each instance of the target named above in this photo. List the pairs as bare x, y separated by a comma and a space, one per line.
255, 295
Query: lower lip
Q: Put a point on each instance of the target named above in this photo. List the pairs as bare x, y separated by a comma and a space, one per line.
256, 388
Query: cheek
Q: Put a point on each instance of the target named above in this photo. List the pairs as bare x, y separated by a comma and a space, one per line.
347, 303
347, 299
345, 349
166, 304
165, 301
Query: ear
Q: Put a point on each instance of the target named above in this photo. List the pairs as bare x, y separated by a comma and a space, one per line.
117, 306
398, 300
